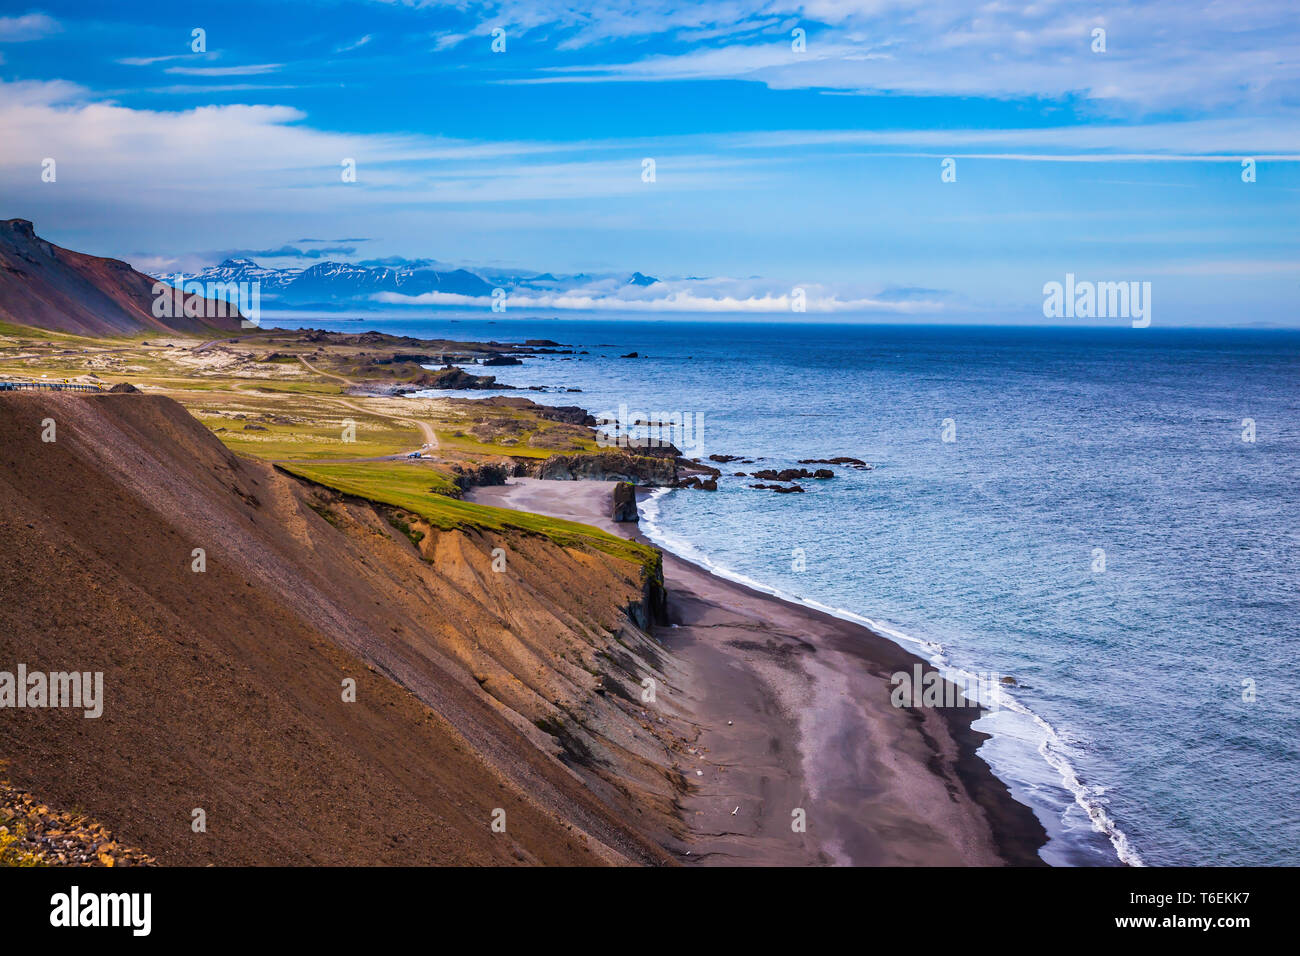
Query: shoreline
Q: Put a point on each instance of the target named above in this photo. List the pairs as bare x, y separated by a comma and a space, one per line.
793, 713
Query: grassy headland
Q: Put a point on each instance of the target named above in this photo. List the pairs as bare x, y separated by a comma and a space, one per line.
316, 404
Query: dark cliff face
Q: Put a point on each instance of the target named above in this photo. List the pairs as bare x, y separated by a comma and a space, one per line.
48, 287
653, 608
610, 466
624, 503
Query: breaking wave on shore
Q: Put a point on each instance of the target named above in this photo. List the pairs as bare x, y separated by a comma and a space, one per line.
1031, 732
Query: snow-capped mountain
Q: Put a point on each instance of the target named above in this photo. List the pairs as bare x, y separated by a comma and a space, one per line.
237, 270
353, 285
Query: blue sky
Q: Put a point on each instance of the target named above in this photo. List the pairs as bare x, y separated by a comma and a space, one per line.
775, 167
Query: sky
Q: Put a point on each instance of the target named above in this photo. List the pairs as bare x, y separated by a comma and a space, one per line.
793, 146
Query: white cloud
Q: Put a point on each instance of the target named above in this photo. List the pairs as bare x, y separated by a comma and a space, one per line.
1229, 138
252, 69
29, 26
265, 158
449, 40
718, 295
354, 45
271, 160
151, 60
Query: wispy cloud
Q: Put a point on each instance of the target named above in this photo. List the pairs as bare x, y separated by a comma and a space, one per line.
354, 45
1224, 138
449, 40
252, 69
1158, 54
1229, 267
151, 60
286, 252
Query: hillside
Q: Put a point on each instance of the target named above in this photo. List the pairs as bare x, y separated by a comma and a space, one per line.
476, 690
47, 287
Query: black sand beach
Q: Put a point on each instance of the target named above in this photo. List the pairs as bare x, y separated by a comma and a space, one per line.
793, 713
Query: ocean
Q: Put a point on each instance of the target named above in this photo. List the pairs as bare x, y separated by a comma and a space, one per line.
1108, 517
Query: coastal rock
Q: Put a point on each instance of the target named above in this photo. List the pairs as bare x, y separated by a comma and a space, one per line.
783, 489
397, 358
569, 414
624, 505
457, 378
693, 465
857, 463
610, 466
790, 474
694, 481
482, 475
502, 360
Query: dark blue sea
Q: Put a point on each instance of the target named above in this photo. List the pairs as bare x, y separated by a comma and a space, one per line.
1098, 528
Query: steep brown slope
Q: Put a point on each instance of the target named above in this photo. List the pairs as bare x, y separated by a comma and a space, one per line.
47, 287
223, 688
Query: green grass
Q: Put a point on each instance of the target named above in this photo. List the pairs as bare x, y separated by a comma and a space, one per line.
450, 441
14, 330
282, 443
295, 387
413, 487
304, 439
403, 484
455, 436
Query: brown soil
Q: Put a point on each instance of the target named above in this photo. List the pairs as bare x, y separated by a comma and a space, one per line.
475, 690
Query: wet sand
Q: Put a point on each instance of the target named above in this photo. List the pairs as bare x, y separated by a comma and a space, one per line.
793, 721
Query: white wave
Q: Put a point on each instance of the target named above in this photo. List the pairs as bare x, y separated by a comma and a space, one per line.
1053, 750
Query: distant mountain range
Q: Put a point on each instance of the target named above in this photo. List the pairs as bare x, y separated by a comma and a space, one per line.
45, 286
350, 285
